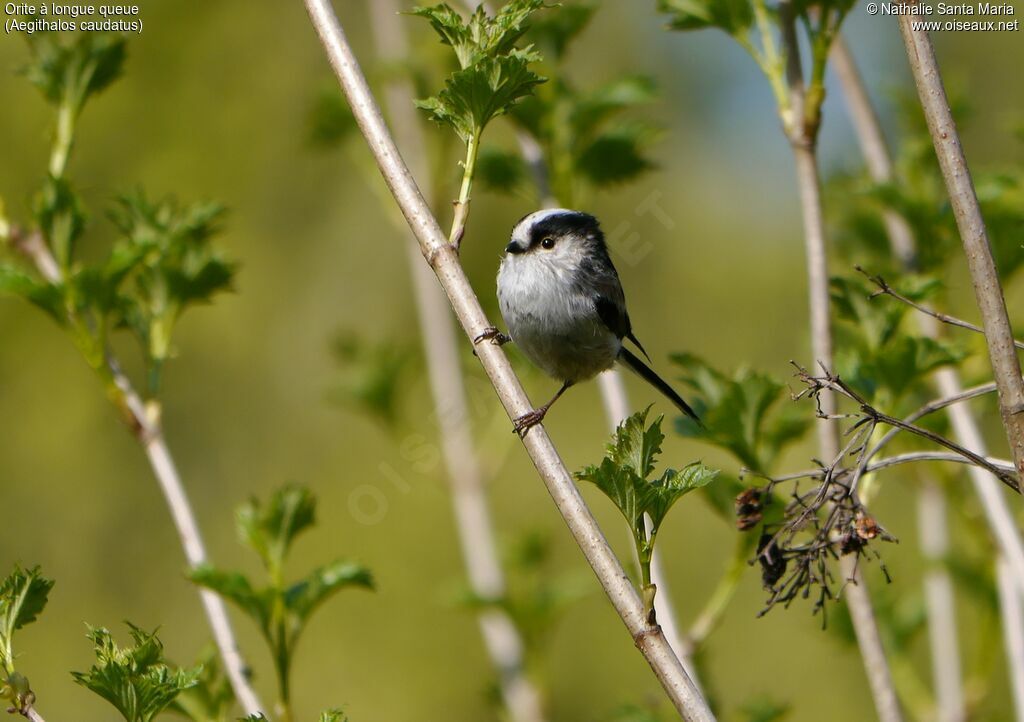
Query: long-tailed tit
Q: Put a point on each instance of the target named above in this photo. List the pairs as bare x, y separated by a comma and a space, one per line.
564, 307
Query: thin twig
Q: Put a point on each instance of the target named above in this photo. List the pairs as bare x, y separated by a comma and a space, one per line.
444, 260
884, 289
148, 431
31, 714
836, 384
987, 287
930, 408
502, 639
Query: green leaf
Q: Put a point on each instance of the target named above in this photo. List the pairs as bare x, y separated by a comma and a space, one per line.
635, 445
302, 598
673, 486
333, 715
136, 680
741, 414
629, 460
764, 709
554, 31
235, 587
501, 171
732, 16
40, 293
330, 121
270, 529
594, 109
372, 376
258, 717
616, 156
482, 36
212, 697
61, 219
69, 74
475, 95
23, 595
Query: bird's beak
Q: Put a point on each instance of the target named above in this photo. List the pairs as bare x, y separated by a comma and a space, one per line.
514, 247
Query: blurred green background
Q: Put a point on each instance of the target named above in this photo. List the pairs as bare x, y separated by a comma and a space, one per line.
215, 105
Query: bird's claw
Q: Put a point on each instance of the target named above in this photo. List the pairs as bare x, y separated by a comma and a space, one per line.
527, 421
492, 334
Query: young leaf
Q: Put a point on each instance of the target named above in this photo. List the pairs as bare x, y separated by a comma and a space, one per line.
61, 219
270, 529
136, 680
673, 486
69, 74
372, 376
733, 16
333, 715
741, 414
553, 32
23, 595
302, 598
212, 697
235, 587
473, 96
44, 295
493, 74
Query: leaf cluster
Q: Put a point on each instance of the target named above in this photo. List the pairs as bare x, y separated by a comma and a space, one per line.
23, 595
625, 477
211, 698
875, 354
493, 73
136, 680
589, 138
280, 609
372, 376
741, 413
162, 261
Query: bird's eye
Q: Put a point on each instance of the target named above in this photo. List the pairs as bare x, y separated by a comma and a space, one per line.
548, 243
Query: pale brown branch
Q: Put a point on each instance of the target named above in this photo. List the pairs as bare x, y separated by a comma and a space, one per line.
473, 522
444, 260
987, 287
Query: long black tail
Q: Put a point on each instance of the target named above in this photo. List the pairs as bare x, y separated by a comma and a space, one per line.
647, 374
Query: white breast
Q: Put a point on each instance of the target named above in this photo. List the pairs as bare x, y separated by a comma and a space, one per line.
555, 326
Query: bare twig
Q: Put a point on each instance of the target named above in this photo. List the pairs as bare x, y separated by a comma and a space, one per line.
938, 591
836, 384
147, 429
473, 519
987, 287
31, 714
884, 289
443, 258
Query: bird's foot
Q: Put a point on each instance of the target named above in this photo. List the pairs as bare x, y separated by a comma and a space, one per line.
527, 421
492, 334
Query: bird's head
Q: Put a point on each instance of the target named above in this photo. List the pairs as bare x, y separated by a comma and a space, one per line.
556, 237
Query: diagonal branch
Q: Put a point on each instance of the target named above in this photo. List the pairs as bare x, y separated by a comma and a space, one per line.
475, 527
443, 259
987, 287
